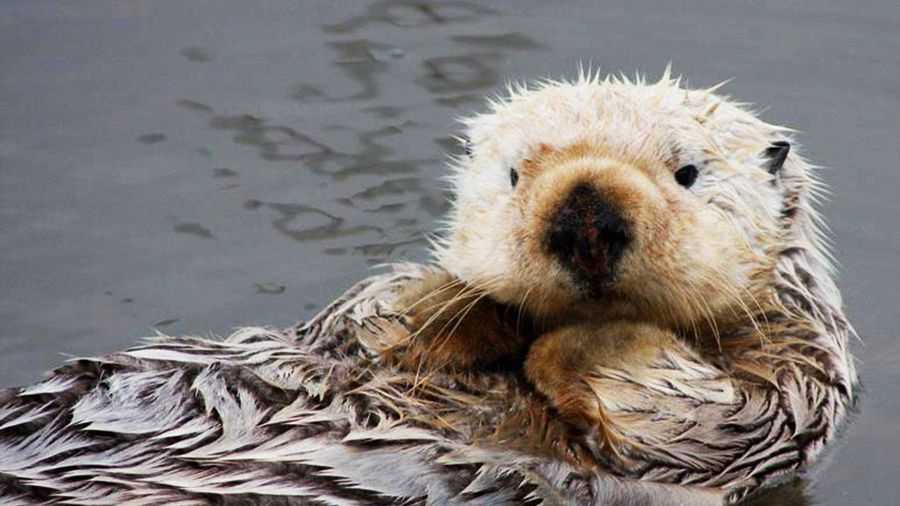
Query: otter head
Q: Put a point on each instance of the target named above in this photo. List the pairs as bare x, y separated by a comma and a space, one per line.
621, 199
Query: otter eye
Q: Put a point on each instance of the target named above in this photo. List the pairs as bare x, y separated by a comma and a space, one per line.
686, 175
513, 177
467, 146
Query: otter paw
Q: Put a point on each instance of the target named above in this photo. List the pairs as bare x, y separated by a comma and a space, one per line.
454, 324
564, 366
579, 405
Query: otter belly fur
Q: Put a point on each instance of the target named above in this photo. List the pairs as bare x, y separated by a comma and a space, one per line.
631, 304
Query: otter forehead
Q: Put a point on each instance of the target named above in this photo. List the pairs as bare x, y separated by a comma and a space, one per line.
659, 122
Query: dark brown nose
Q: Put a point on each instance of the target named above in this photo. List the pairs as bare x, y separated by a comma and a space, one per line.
588, 236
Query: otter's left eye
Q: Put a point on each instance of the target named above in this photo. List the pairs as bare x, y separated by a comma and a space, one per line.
513, 177
686, 175
467, 146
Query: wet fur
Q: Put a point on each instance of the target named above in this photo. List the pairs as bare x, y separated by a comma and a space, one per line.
342, 411
458, 326
729, 307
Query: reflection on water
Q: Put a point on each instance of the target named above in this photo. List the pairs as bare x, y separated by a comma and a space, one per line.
151, 138
270, 288
224, 172
503, 40
453, 80
357, 58
194, 229
248, 176
196, 54
413, 14
293, 221
394, 191
460, 73
193, 106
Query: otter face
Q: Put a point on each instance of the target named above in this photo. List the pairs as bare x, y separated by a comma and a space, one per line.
619, 199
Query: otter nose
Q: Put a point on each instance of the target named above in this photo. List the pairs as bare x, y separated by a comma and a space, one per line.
588, 236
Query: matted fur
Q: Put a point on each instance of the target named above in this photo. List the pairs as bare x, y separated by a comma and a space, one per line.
309, 416
316, 415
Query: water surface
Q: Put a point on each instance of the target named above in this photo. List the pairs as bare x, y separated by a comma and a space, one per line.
196, 166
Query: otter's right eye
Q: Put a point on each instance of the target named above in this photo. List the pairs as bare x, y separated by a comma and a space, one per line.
686, 175
513, 177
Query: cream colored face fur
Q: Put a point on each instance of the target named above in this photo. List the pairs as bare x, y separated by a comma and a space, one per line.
696, 252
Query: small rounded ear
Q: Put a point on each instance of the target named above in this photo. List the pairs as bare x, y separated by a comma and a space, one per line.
775, 155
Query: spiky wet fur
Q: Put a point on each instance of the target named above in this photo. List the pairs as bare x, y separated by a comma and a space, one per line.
313, 416
717, 269
329, 413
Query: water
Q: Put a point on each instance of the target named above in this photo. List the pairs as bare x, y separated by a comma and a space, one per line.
195, 166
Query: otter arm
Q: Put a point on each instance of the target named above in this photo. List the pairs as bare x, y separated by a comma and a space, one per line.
562, 365
457, 327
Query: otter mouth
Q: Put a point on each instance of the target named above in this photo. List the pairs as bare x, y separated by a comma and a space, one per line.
588, 236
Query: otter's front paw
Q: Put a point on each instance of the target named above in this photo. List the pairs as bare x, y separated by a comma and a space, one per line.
558, 367
455, 324
565, 366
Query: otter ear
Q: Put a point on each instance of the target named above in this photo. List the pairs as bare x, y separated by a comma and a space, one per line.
775, 155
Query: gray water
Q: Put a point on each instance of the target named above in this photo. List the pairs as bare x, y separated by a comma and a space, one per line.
196, 166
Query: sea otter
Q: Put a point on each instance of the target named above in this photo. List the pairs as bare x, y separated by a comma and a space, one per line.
631, 304
618, 219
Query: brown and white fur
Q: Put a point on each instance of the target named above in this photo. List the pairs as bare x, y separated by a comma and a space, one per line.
715, 265
713, 364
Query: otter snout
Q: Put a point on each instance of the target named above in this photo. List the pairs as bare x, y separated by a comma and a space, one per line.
588, 236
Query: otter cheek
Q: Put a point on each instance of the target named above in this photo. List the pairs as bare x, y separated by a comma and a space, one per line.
713, 262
